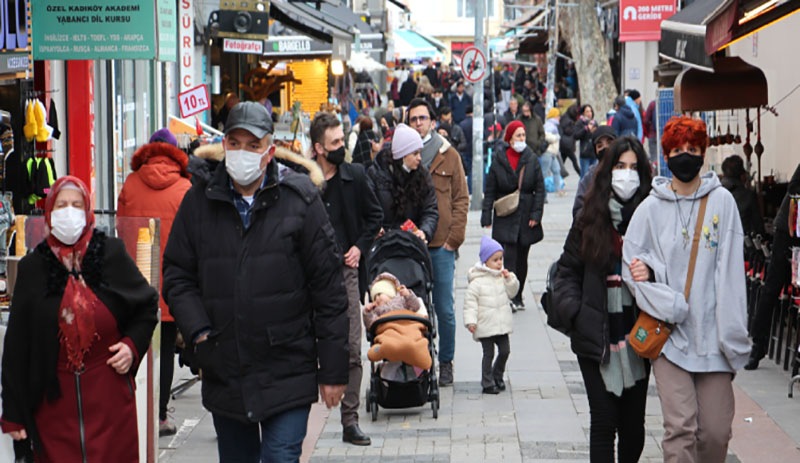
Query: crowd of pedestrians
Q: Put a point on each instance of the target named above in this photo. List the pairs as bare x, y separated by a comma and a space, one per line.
264, 268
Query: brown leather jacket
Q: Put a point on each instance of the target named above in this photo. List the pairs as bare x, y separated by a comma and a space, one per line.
452, 197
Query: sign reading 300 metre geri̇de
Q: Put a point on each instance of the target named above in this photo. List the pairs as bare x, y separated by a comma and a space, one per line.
94, 29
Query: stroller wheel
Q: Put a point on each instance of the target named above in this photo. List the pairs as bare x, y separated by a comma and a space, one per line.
435, 408
374, 412
368, 401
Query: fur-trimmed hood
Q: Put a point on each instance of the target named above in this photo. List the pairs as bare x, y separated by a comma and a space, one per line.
300, 163
213, 152
160, 165
296, 162
149, 151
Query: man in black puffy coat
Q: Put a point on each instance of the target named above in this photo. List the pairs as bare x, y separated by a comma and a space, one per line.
253, 275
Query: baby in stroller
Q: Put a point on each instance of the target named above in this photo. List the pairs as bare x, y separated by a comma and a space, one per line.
396, 340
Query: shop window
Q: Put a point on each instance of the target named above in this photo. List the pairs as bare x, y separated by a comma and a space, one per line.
466, 8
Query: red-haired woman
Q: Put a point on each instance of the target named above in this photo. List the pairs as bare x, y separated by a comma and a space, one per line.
81, 318
709, 342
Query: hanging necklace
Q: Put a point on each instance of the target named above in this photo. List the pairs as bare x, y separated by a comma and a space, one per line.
685, 223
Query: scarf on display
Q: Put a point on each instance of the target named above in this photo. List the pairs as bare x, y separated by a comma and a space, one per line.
76, 320
624, 367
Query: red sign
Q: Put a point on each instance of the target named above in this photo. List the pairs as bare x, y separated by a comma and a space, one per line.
720, 30
194, 100
640, 20
473, 64
243, 46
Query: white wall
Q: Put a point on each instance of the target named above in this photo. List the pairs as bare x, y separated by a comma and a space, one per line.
774, 51
639, 60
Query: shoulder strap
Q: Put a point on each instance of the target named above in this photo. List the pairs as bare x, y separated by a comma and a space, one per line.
521, 175
695, 244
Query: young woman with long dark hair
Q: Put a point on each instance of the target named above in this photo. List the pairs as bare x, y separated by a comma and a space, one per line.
597, 311
403, 186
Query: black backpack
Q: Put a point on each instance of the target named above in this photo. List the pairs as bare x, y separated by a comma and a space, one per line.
547, 295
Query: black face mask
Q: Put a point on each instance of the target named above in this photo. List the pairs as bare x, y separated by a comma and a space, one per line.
336, 156
602, 153
685, 166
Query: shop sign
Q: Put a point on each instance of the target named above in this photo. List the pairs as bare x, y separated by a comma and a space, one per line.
640, 20
194, 101
13, 62
295, 45
243, 46
186, 43
166, 18
93, 29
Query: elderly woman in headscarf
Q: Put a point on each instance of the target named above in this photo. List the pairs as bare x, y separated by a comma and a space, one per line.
82, 316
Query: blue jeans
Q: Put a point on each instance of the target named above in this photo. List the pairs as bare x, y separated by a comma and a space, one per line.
585, 164
444, 269
277, 439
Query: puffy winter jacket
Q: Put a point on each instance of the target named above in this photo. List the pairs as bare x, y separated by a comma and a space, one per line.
272, 295
155, 188
486, 303
624, 122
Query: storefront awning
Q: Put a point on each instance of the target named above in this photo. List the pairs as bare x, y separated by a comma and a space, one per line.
411, 45
694, 34
334, 24
683, 36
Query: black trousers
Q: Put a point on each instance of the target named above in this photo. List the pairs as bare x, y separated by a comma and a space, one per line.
778, 275
493, 369
169, 333
515, 259
571, 157
613, 416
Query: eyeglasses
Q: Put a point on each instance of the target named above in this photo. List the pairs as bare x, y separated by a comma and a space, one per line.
416, 119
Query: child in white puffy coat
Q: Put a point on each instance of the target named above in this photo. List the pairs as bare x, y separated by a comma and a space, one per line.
487, 312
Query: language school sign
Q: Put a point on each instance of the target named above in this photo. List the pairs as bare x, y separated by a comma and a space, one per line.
102, 29
640, 20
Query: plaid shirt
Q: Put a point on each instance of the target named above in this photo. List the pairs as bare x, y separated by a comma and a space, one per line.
244, 208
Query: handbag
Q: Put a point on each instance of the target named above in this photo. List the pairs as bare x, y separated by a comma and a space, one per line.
649, 334
509, 203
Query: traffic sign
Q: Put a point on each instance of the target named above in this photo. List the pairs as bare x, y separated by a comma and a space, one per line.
473, 64
193, 101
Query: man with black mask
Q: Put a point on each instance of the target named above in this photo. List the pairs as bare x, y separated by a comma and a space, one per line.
356, 216
601, 139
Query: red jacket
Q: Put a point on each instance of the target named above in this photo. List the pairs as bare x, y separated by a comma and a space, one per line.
155, 188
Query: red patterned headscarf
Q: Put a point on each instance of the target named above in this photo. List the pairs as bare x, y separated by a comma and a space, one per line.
76, 313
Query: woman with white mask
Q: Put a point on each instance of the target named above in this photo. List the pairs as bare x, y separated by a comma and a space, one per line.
93, 314
594, 308
515, 167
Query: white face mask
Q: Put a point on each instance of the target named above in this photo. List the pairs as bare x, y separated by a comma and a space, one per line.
625, 182
519, 146
244, 166
67, 224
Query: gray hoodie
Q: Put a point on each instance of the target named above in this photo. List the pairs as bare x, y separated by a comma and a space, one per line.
711, 330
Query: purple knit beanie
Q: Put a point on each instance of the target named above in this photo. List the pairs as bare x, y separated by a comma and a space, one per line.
164, 136
405, 141
488, 248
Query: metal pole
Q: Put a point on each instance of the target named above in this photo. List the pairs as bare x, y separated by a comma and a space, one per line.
477, 120
551, 58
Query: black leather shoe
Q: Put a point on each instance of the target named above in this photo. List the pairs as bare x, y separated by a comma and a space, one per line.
491, 390
501, 385
354, 435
